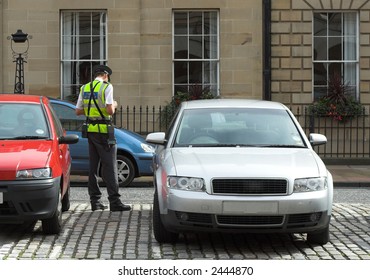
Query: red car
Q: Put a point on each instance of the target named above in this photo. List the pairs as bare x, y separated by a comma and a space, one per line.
35, 162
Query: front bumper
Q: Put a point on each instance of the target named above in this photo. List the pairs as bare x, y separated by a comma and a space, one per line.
28, 200
301, 212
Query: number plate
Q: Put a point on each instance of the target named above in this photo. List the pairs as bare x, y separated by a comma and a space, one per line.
252, 207
1, 198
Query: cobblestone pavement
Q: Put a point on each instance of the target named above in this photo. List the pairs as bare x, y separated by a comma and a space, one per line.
128, 235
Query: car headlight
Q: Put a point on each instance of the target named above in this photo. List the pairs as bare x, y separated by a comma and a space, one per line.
39, 173
186, 183
147, 148
310, 184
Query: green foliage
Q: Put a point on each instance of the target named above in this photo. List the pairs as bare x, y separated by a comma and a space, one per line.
339, 104
338, 111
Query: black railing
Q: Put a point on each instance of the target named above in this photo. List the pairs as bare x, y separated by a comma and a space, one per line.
346, 140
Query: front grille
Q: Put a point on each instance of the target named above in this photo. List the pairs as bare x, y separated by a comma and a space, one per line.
250, 220
250, 186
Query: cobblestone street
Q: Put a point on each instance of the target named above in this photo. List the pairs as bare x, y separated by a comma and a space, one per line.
128, 235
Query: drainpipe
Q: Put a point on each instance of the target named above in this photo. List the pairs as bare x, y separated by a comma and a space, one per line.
266, 49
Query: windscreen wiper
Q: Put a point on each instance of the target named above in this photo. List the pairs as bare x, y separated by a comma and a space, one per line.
28, 137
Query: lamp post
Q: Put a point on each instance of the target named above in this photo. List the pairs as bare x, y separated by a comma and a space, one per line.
20, 57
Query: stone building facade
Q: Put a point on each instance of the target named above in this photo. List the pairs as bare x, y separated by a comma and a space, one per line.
292, 47
263, 49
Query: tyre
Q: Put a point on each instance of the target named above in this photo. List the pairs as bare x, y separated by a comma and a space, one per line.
161, 234
320, 237
53, 224
126, 170
66, 204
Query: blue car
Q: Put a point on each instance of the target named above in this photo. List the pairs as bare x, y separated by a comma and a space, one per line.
134, 155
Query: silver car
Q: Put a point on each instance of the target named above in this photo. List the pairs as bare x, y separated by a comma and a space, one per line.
239, 166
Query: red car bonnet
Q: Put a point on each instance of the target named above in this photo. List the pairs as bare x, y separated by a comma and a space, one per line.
19, 155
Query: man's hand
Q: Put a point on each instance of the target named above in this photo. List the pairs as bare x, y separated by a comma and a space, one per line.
80, 112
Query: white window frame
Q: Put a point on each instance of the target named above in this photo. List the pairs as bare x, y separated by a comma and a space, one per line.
327, 61
216, 85
103, 53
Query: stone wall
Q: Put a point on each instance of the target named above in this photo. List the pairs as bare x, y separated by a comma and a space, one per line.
291, 57
139, 46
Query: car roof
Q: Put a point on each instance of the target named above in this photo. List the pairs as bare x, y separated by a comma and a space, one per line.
62, 101
237, 103
23, 98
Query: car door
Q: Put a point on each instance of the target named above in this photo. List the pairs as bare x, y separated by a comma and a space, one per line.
64, 150
72, 124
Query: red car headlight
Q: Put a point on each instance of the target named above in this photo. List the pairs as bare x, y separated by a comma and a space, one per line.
39, 173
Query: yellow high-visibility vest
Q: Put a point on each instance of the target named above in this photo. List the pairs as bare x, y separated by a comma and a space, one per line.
96, 123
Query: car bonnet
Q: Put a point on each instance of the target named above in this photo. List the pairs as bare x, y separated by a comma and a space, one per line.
247, 162
18, 155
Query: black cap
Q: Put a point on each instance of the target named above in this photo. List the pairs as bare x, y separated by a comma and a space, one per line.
102, 69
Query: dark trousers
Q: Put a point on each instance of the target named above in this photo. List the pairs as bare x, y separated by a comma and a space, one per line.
101, 153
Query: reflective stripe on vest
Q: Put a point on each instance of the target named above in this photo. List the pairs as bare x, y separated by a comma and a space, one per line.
99, 94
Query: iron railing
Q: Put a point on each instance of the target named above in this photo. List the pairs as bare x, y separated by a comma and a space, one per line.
346, 140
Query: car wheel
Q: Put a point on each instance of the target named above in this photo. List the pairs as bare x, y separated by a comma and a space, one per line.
161, 234
53, 224
66, 204
126, 170
319, 237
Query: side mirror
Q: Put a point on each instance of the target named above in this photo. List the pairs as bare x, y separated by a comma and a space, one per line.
69, 139
157, 138
317, 139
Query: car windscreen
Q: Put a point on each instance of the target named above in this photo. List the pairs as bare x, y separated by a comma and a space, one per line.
216, 127
22, 121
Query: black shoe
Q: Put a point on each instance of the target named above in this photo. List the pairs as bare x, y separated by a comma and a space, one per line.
97, 206
119, 207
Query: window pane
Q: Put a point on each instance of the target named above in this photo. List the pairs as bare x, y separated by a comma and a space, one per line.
335, 69
335, 48
350, 26
98, 47
210, 23
84, 72
181, 88
320, 51
69, 46
320, 92
350, 73
210, 72
195, 72
85, 48
335, 24
181, 23
181, 47
195, 23
320, 24
67, 19
98, 24
210, 47
350, 48
181, 72
320, 74
195, 47
69, 72
84, 24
